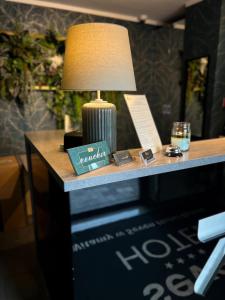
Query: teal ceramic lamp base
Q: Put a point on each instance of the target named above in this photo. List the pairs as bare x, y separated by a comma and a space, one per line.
99, 123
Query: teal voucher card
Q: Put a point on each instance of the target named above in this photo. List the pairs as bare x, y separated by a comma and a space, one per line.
89, 157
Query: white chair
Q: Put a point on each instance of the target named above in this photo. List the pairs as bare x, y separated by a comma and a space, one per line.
209, 229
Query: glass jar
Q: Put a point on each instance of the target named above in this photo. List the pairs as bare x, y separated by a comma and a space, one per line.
181, 135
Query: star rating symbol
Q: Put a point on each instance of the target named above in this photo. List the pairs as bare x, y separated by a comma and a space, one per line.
180, 260
169, 265
192, 256
201, 251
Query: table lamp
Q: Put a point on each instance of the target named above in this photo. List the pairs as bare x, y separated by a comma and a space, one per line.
98, 58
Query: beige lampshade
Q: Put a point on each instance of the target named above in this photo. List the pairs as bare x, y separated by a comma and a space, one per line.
98, 57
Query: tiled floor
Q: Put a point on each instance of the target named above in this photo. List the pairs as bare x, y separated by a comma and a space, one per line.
20, 276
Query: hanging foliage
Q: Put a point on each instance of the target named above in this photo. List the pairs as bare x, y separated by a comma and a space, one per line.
31, 62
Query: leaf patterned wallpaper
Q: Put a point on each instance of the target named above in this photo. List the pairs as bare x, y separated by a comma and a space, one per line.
157, 65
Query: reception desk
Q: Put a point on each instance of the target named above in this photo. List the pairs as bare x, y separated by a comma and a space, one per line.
64, 204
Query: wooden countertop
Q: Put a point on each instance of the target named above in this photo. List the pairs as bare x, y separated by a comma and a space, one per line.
47, 143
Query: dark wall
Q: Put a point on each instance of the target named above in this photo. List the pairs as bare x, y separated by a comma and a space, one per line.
218, 112
157, 66
204, 36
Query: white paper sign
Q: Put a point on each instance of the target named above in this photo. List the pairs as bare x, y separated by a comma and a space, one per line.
143, 122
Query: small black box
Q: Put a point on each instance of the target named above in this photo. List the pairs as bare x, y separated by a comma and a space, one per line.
72, 139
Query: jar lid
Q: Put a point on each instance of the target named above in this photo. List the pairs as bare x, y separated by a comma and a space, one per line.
182, 124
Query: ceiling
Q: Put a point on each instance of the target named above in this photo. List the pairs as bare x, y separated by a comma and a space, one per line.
150, 11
